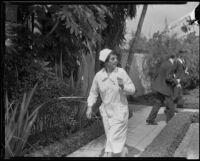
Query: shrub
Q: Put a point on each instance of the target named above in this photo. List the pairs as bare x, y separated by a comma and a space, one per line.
65, 146
195, 118
58, 117
161, 45
18, 123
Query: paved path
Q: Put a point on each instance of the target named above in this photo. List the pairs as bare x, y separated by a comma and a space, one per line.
139, 135
189, 147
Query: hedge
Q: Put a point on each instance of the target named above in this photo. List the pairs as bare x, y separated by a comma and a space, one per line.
73, 142
65, 146
168, 140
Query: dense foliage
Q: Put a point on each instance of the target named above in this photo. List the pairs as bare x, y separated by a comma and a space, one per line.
46, 44
56, 37
162, 44
18, 124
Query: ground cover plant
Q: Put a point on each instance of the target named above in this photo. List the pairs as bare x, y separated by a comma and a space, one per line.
168, 140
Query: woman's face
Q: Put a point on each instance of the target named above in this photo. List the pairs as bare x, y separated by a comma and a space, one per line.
112, 62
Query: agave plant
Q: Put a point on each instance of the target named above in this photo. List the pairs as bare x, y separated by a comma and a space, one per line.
18, 123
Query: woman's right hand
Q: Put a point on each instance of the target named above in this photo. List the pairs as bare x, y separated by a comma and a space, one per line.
89, 112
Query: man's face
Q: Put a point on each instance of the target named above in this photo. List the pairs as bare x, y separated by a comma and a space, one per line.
112, 61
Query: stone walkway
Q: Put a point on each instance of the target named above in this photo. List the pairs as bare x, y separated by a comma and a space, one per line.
189, 147
139, 135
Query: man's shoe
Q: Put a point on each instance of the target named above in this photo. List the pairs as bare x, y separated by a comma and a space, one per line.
151, 123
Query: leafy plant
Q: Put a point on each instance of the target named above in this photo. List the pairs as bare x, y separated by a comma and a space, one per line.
18, 122
161, 45
61, 35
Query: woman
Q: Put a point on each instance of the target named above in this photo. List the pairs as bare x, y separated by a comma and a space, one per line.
113, 84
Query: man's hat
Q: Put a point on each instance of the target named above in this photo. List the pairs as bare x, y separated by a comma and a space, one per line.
104, 54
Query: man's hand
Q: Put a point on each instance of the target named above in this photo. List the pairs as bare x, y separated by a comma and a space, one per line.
89, 113
178, 81
186, 71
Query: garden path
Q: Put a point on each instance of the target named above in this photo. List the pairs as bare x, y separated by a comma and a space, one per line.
189, 147
139, 134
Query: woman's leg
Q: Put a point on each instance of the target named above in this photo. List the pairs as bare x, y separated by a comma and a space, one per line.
124, 153
107, 154
107, 150
116, 133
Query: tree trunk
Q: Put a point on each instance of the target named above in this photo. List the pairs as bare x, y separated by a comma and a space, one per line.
137, 34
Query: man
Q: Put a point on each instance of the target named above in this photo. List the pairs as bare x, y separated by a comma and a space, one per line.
163, 88
181, 71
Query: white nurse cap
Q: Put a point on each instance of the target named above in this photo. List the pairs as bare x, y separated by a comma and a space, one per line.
104, 54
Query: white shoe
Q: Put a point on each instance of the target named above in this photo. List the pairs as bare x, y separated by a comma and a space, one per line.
124, 153
107, 154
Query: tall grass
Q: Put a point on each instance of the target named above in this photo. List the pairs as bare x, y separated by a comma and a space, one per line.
18, 123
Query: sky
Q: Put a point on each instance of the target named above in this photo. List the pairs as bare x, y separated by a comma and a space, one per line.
155, 18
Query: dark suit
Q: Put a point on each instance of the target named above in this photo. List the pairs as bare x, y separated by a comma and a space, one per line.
180, 69
163, 87
163, 83
180, 74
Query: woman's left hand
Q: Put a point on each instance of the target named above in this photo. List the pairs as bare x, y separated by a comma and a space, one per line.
120, 82
89, 112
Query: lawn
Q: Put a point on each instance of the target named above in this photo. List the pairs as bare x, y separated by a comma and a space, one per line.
168, 140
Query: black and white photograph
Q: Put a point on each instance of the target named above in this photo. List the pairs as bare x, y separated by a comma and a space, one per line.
100, 79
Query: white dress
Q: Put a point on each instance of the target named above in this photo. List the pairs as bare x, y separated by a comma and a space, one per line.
114, 107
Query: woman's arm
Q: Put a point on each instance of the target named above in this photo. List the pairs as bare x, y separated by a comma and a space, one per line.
129, 87
94, 92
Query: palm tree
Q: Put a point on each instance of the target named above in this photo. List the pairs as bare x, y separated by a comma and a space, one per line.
113, 34
137, 35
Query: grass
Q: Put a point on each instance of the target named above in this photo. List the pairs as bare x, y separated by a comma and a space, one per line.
191, 99
168, 140
165, 144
